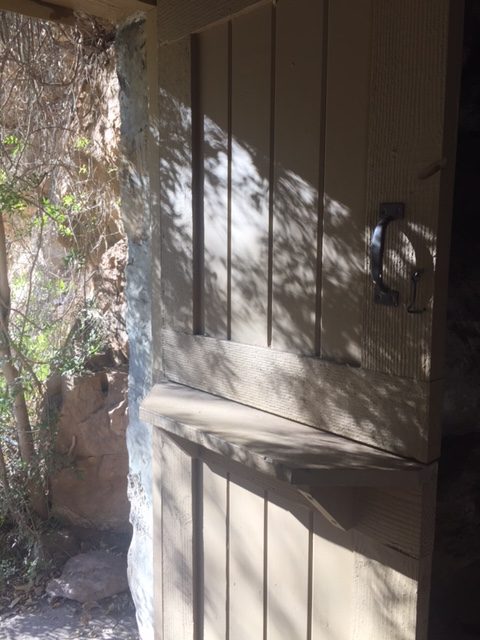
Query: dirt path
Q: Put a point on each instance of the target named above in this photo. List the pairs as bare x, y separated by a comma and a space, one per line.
113, 619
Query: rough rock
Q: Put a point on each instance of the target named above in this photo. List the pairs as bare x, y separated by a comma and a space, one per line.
109, 287
93, 416
139, 208
91, 576
93, 493
57, 546
90, 490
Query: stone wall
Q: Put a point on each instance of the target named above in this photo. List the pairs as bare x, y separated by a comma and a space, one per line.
137, 214
90, 487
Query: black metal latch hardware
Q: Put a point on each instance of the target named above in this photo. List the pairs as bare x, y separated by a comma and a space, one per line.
416, 275
383, 294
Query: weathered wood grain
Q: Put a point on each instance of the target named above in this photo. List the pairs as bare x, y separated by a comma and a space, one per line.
251, 62
386, 593
215, 552
275, 446
376, 409
51, 11
175, 142
352, 581
152, 164
63, 10
298, 147
157, 444
177, 542
179, 18
345, 172
401, 519
405, 131
288, 575
213, 48
450, 136
393, 564
332, 570
385, 88
247, 549
334, 503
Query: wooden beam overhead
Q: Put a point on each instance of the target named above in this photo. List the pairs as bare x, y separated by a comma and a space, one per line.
64, 10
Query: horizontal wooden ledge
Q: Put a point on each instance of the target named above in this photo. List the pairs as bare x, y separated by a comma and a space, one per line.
386, 412
277, 447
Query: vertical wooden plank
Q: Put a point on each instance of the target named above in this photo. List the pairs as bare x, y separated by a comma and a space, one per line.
214, 99
347, 105
288, 570
215, 494
175, 141
247, 517
298, 147
427, 538
333, 571
406, 162
153, 158
251, 89
177, 542
198, 312
157, 445
447, 184
180, 17
386, 593
402, 519
392, 588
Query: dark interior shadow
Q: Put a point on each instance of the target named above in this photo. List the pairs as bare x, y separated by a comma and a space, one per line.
454, 611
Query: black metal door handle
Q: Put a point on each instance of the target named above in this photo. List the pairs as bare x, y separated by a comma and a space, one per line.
383, 294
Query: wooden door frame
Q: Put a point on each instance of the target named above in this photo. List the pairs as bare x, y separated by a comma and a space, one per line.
177, 467
63, 10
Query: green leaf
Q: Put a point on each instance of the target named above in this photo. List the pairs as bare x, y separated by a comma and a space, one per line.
81, 143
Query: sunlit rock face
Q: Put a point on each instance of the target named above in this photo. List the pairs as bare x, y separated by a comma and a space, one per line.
90, 489
136, 217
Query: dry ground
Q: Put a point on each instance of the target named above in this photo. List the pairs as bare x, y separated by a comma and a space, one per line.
111, 619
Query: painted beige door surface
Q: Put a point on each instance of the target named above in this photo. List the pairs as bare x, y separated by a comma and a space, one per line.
283, 127
282, 131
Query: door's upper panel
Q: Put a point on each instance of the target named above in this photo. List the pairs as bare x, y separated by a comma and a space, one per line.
282, 131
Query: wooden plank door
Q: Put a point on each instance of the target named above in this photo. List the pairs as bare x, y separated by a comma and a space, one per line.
283, 131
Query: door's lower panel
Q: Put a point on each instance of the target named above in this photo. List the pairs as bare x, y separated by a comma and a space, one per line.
242, 556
